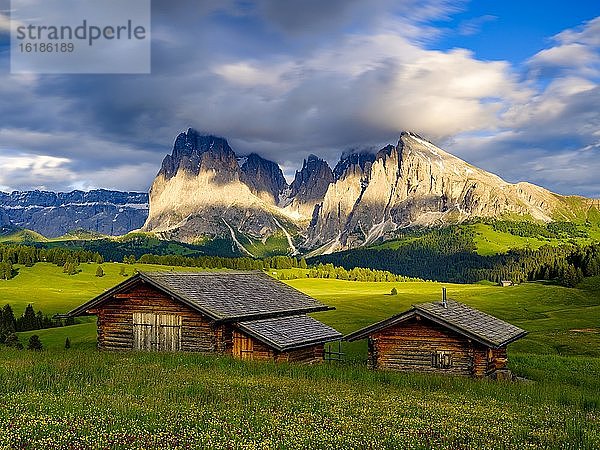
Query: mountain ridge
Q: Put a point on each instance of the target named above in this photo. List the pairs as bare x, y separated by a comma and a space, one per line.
204, 191
367, 197
54, 214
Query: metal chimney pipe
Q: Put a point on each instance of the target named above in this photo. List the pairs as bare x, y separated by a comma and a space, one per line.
444, 302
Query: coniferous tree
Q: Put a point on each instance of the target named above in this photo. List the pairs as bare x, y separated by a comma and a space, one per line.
6, 270
39, 320
99, 271
28, 321
7, 322
67, 343
71, 268
35, 343
13, 341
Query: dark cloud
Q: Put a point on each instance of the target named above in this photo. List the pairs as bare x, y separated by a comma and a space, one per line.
286, 79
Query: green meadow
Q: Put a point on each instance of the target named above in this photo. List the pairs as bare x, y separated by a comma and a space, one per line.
82, 398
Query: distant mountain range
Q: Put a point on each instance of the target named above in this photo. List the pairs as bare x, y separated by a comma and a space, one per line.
204, 191
55, 214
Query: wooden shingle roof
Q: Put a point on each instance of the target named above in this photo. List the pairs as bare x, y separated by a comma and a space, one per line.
222, 296
469, 322
286, 333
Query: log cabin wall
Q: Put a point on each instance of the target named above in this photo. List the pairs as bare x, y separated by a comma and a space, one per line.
224, 339
497, 359
115, 321
309, 355
422, 345
247, 347
480, 361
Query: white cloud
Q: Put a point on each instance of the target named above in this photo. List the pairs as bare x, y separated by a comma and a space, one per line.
588, 34
37, 171
250, 73
575, 51
4, 23
129, 177
356, 78
473, 26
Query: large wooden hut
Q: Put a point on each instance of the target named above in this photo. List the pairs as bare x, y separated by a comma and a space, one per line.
245, 314
441, 337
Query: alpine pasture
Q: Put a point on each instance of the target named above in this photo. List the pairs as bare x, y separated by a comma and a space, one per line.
82, 398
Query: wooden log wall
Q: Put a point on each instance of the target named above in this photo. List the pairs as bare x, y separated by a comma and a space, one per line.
115, 320
418, 344
247, 347
308, 355
414, 346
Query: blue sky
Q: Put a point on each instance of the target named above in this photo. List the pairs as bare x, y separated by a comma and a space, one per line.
512, 30
512, 87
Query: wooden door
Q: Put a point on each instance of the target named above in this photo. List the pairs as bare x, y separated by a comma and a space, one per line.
169, 332
144, 331
158, 332
243, 346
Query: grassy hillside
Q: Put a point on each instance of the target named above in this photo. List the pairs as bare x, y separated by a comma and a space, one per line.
46, 287
80, 397
17, 235
490, 241
563, 321
86, 399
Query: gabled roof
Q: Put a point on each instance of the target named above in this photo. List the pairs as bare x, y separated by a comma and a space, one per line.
222, 296
469, 322
286, 333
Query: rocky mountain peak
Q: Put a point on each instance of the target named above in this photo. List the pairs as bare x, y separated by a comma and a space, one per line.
368, 197
352, 163
312, 181
192, 142
263, 176
193, 152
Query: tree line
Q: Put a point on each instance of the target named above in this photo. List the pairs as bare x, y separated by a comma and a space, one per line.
448, 254
340, 273
551, 230
71, 259
28, 321
28, 255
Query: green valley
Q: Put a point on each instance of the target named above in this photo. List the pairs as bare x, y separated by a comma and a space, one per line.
71, 397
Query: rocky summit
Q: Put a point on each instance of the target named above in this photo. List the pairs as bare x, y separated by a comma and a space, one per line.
264, 178
204, 190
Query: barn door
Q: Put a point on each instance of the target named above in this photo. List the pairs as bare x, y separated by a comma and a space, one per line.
169, 332
243, 346
143, 331
158, 332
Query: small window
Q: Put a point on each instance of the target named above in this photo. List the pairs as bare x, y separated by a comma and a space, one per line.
441, 360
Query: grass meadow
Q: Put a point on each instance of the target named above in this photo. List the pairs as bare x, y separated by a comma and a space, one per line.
82, 398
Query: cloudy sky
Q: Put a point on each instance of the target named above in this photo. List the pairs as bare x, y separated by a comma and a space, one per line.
513, 89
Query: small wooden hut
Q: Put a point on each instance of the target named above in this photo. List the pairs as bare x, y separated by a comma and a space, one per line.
441, 337
247, 315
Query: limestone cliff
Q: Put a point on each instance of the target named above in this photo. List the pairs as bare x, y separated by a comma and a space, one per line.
416, 183
201, 191
204, 190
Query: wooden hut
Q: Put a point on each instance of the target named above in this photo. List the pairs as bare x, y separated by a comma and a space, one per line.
441, 337
247, 315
